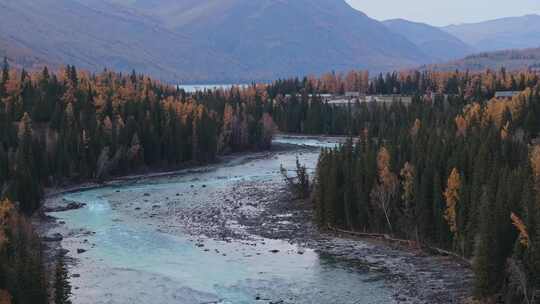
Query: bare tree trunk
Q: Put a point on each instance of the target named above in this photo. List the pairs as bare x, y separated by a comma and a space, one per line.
388, 219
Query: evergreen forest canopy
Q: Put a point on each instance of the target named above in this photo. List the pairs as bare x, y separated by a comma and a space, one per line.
305, 111
458, 170
73, 126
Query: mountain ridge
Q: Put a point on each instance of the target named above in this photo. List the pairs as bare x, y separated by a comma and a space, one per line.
511, 60
217, 41
229, 41
517, 32
439, 44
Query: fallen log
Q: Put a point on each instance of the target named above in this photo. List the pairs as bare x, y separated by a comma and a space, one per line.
387, 237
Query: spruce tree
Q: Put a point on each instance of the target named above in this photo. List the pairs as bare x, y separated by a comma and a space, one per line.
26, 186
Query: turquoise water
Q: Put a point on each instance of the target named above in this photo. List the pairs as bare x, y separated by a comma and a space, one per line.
130, 260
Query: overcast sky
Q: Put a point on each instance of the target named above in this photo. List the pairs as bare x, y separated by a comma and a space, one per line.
444, 12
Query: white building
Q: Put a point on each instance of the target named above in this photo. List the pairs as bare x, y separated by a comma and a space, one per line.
506, 94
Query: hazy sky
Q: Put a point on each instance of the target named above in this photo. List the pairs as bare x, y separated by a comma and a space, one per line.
444, 12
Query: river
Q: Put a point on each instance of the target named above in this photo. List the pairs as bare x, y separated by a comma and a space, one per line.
182, 238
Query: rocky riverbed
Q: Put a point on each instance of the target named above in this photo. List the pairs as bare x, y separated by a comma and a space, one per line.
231, 233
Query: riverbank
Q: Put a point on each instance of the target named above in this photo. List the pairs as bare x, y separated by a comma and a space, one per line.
244, 201
159, 173
415, 275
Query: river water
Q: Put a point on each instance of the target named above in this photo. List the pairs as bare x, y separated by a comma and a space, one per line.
137, 250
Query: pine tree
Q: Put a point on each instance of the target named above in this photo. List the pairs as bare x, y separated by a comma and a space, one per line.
26, 187
484, 265
407, 182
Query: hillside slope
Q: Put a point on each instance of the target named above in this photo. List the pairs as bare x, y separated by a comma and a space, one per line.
95, 37
439, 44
508, 59
500, 34
301, 37
206, 40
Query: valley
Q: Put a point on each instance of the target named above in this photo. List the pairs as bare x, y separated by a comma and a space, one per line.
231, 233
269, 152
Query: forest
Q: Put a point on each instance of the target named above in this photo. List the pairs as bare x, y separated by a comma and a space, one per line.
456, 169
72, 126
459, 172
300, 113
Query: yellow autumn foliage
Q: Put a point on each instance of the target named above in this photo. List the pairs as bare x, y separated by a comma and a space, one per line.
535, 161
472, 112
505, 131
383, 159
451, 194
416, 127
461, 125
496, 108
6, 208
520, 226
407, 176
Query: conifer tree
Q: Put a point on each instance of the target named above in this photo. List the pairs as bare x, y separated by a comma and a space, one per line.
25, 188
407, 182
486, 275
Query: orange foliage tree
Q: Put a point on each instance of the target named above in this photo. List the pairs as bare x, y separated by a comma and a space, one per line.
451, 194
520, 226
384, 193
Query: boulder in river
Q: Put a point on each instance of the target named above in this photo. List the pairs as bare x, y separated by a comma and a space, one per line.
69, 206
57, 237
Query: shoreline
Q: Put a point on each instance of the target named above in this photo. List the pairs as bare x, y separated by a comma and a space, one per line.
414, 274
403, 268
90, 184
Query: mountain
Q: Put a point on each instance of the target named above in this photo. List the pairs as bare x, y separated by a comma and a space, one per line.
98, 36
500, 34
435, 42
205, 40
21, 57
509, 59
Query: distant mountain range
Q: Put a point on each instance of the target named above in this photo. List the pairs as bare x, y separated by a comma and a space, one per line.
438, 44
196, 41
500, 34
508, 59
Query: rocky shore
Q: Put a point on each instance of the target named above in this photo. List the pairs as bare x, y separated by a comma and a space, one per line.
248, 209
